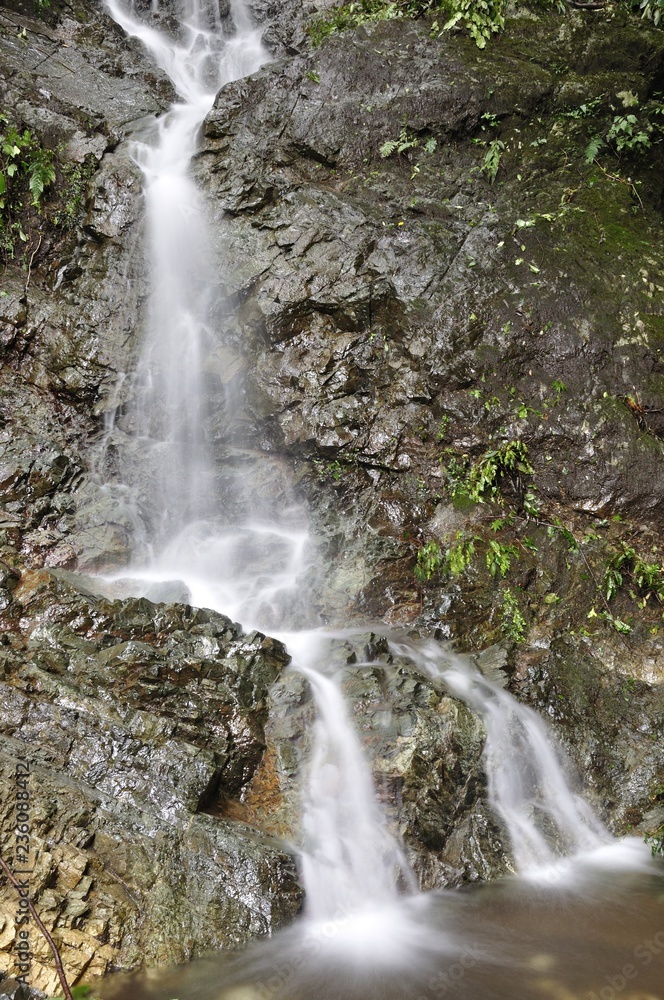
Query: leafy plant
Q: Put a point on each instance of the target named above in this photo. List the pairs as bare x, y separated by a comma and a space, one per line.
400, 145
513, 624
430, 560
26, 169
403, 144
483, 480
492, 158
480, 18
499, 557
41, 173
351, 15
652, 10
459, 556
647, 577
629, 132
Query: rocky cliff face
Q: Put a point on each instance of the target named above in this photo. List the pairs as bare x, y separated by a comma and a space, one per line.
391, 326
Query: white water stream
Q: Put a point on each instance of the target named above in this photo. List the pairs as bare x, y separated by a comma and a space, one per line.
251, 568
529, 776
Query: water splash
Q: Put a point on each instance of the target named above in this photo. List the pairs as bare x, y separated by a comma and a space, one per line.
528, 773
350, 863
251, 570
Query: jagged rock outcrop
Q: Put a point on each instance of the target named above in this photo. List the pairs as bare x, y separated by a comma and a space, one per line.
128, 717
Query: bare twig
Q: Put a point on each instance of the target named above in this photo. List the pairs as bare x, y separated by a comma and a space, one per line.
626, 181
40, 924
32, 257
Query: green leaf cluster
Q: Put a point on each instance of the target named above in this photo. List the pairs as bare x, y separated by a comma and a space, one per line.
429, 562
628, 566
492, 158
480, 18
351, 15
482, 480
652, 10
512, 621
26, 170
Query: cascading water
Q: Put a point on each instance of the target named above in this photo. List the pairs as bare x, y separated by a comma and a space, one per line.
350, 861
351, 864
188, 534
528, 786
169, 401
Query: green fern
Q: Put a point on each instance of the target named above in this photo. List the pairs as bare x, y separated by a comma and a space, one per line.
492, 159
593, 148
400, 145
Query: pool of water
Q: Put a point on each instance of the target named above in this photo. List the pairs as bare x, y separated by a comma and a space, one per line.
584, 930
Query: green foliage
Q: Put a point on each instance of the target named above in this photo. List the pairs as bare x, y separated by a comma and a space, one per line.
626, 132
405, 142
632, 132
26, 170
328, 470
351, 15
458, 557
75, 177
627, 565
532, 504
430, 560
512, 622
652, 10
41, 173
499, 557
480, 18
492, 158
484, 478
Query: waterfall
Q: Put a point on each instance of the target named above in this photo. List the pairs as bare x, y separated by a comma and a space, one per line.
246, 570
169, 405
350, 860
217, 550
251, 567
527, 772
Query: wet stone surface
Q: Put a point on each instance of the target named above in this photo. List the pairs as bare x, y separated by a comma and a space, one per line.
131, 716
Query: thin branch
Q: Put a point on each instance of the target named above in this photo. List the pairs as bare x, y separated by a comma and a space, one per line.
40, 924
32, 257
628, 183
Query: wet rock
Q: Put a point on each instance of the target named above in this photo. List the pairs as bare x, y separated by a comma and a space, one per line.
379, 315
130, 717
425, 751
